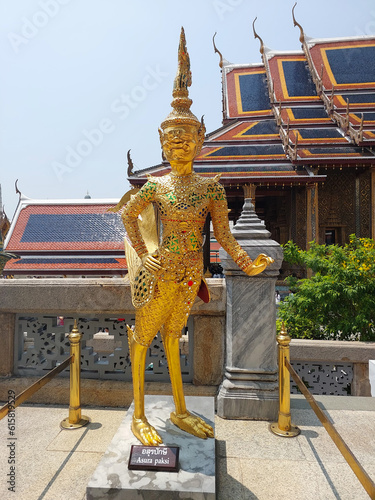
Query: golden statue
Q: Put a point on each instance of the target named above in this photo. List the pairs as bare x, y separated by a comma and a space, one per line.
166, 277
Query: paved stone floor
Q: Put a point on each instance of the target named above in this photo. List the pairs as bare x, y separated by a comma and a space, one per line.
252, 463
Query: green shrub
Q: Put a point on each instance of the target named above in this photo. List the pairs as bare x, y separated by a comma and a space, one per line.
338, 301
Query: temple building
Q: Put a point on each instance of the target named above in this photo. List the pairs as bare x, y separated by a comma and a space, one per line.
297, 137
65, 238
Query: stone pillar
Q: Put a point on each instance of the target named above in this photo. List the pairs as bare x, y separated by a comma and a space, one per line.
312, 223
373, 203
208, 349
361, 380
250, 386
7, 334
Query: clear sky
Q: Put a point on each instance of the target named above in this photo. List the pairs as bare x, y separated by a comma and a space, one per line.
83, 81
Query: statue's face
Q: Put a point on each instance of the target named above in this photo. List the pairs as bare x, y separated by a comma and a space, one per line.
180, 143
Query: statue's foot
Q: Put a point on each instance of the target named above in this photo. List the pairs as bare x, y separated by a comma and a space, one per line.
146, 434
192, 424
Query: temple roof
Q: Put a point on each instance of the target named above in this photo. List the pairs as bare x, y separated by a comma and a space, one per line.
309, 107
243, 152
62, 236
344, 64
303, 115
249, 131
64, 265
246, 93
343, 71
290, 78
359, 101
331, 135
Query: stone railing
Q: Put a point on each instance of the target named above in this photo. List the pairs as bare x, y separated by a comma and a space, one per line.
32, 341
333, 366
327, 366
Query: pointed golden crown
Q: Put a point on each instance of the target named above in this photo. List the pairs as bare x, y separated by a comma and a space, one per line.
181, 102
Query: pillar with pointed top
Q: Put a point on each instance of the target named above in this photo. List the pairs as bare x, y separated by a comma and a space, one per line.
250, 386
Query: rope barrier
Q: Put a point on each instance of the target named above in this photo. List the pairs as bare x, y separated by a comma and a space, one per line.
284, 427
75, 419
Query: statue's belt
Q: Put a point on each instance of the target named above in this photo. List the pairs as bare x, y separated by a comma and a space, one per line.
187, 259
177, 268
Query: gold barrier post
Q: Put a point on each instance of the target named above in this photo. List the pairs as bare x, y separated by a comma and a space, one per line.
75, 419
283, 427
357, 468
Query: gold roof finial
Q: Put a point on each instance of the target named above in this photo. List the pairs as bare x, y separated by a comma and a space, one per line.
302, 34
217, 51
257, 36
181, 102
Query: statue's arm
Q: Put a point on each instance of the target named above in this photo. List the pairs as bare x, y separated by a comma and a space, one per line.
133, 208
220, 222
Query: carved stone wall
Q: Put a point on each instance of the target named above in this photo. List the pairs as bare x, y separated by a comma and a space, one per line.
42, 343
324, 378
333, 366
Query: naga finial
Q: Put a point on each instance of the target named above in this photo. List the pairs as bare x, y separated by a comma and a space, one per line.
257, 36
130, 165
302, 34
17, 190
217, 51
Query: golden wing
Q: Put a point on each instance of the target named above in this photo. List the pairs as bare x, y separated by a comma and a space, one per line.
148, 228
123, 200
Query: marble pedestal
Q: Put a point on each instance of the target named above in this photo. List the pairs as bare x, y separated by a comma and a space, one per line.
196, 477
250, 386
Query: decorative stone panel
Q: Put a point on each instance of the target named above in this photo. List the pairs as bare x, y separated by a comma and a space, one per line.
324, 378
42, 343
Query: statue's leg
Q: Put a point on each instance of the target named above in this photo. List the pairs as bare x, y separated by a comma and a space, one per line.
140, 426
172, 351
148, 321
171, 333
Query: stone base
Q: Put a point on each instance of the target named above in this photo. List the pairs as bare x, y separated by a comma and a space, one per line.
196, 477
94, 392
247, 405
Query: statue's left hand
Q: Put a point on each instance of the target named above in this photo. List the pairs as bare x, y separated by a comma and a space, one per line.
151, 263
258, 265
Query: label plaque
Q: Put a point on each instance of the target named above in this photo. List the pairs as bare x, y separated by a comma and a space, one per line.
157, 458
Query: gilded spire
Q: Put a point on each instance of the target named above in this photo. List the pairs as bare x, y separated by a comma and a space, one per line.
183, 77
181, 102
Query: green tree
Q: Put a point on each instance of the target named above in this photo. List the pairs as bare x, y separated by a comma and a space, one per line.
338, 301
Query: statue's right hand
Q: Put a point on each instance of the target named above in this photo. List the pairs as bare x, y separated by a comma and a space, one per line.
151, 263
